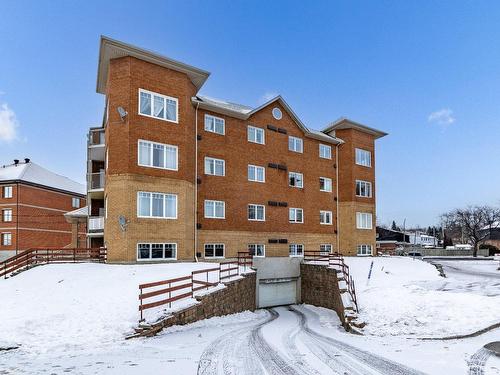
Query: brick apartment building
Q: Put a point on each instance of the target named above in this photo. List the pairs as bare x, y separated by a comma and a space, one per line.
33, 202
176, 175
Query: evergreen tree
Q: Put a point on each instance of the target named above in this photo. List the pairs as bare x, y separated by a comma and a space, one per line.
393, 226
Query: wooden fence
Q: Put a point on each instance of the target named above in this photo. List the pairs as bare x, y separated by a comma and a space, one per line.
335, 260
46, 255
184, 287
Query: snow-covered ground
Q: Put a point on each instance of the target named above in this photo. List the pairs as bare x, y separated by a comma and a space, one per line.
59, 306
407, 297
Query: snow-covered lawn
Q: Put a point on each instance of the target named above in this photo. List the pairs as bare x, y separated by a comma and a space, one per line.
408, 297
59, 306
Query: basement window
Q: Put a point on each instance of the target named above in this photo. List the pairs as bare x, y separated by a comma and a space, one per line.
296, 250
325, 249
156, 251
257, 250
214, 250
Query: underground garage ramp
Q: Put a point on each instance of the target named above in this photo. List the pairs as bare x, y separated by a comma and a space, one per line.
277, 292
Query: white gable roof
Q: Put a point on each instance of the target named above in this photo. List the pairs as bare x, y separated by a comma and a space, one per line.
33, 173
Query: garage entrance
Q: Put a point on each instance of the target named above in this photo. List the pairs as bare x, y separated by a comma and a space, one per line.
277, 292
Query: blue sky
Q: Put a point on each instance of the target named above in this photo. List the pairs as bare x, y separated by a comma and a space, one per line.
426, 72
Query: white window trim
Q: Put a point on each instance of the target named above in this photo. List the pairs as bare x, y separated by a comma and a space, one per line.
326, 212
295, 221
151, 206
331, 184
296, 255
326, 244
214, 159
150, 251
256, 205
152, 93
302, 179
258, 244
214, 217
213, 131
215, 243
4, 215
356, 157
263, 174
371, 189
151, 155
295, 138
2, 237
323, 157
4, 192
364, 255
256, 128
73, 200
359, 220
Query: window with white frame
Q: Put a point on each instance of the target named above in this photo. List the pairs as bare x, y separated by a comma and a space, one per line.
364, 249
363, 189
7, 191
296, 179
215, 124
157, 155
7, 215
325, 217
363, 157
6, 239
158, 106
325, 184
75, 202
255, 135
325, 249
325, 151
257, 250
215, 209
256, 173
156, 205
214, 250
296, 215
156, 251
296, 250
256, 212
295, 144
215, 167
363, 220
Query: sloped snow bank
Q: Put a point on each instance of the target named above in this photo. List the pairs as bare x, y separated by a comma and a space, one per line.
403, 297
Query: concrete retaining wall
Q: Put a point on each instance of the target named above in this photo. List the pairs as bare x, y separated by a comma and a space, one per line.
320, 287
237, 296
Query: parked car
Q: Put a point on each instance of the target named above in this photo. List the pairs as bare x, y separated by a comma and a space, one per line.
415, 254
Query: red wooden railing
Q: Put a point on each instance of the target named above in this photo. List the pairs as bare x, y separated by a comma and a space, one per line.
46, 255
184, 287
335, 260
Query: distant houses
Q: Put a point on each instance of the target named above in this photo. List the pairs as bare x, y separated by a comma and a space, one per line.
388, 240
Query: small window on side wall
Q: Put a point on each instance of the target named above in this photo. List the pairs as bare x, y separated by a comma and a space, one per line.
75, 202
7, 191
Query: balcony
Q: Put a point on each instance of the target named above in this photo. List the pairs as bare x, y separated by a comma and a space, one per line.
96, 144
96, 224
95, 185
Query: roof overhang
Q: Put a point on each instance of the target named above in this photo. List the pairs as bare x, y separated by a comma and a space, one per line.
199, 103
345, 123
112, 49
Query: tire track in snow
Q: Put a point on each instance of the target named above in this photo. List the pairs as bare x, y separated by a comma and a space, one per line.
372, 361
224, 354
272, 361
478, 361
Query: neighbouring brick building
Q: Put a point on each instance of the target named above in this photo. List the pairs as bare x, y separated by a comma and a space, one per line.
33, 202
176, 175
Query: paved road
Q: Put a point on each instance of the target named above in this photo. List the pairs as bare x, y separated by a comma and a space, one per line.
283, 343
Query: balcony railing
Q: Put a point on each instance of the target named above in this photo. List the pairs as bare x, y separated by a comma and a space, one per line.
95, 181
96, 223
96, 137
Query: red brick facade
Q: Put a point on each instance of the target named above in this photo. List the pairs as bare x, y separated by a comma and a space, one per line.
37, 216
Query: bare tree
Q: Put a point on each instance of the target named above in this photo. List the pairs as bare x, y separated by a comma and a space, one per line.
474, 223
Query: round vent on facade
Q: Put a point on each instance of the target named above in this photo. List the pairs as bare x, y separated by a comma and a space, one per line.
277, 113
